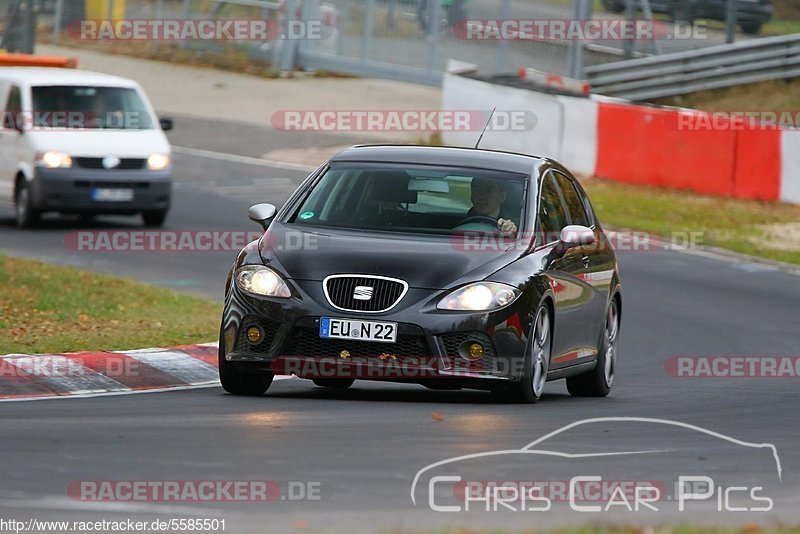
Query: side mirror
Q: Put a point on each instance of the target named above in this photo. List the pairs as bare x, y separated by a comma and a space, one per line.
166, 123
262, 214
576, 235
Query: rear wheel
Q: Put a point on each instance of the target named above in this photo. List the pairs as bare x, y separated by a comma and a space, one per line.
334, 383
751, 28
26, 215
598, 381
537, 361
235, 381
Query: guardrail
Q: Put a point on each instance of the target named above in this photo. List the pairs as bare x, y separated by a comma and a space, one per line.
727, 65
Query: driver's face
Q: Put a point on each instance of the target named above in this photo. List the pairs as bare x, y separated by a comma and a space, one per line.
487, 197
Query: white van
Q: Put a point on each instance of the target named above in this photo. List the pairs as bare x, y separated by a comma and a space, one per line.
73, 141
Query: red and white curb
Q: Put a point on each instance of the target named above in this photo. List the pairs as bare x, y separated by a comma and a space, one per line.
94, 373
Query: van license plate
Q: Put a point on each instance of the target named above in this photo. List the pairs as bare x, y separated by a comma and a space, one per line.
112, 195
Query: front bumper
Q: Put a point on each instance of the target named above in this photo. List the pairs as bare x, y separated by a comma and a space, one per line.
426, 351
70, 190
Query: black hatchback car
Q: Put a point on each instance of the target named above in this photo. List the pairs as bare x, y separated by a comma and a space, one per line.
447, 267
750, 14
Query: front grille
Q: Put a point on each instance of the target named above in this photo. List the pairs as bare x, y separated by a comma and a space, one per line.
306, 342
385, 292
124, 163
485, 364
268, 328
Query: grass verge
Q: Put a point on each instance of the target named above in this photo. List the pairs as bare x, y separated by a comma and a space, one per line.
768, 230
46, 308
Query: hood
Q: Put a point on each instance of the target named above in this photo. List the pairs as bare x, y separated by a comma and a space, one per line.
99, 143
313, 254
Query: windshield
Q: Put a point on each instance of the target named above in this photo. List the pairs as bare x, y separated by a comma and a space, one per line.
90, 107
424, 200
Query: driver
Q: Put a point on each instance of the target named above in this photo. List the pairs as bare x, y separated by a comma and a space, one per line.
487, 200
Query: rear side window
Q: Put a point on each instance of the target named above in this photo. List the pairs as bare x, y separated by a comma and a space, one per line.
575, 204
13, 106
552, 215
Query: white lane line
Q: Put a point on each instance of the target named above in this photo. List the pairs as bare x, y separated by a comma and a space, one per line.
112, 393
63, 374
235, 158
212, 384
60, 503
185, 368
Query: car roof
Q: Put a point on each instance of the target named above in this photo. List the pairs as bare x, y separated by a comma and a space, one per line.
429, 155
38, 76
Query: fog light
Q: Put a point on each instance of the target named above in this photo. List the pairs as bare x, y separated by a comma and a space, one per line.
475, 351
254, 334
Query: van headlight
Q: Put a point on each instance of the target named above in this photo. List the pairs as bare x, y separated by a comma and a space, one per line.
53, 159
480, 296
262, 281
158, 162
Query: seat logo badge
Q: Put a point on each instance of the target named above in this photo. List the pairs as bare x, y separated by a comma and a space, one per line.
362, 293
109, 162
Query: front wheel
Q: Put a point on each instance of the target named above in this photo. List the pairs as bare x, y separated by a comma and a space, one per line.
237, 382
25, 214
598, 381
537, 362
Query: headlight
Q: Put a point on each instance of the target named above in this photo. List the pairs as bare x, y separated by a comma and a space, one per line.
158, 162
262, 281
480, 296
54, 160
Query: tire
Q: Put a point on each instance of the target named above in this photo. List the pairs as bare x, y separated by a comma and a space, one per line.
751, 28
530, 387
236, 382
598, 381
334, 383
25, 214
154, 218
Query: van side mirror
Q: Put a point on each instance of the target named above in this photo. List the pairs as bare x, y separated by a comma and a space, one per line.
166, 123
262, 214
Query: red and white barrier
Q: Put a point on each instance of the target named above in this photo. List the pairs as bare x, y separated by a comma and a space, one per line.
24, 376
635, 144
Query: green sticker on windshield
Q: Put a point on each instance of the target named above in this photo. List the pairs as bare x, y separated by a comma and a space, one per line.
306, 215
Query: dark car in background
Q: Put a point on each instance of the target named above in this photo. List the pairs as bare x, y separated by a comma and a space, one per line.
750, 14
448, 267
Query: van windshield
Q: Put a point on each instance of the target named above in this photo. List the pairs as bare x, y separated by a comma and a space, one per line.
70, 106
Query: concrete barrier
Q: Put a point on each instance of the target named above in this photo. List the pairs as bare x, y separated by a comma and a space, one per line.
635, 144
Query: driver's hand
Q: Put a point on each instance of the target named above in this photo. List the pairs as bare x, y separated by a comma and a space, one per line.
506, 226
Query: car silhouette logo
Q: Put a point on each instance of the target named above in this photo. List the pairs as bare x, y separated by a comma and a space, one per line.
109, 162
362, 293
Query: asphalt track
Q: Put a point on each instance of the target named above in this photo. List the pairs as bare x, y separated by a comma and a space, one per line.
364, 446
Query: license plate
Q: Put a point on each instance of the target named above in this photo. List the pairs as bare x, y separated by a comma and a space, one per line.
112, 195
355, 329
